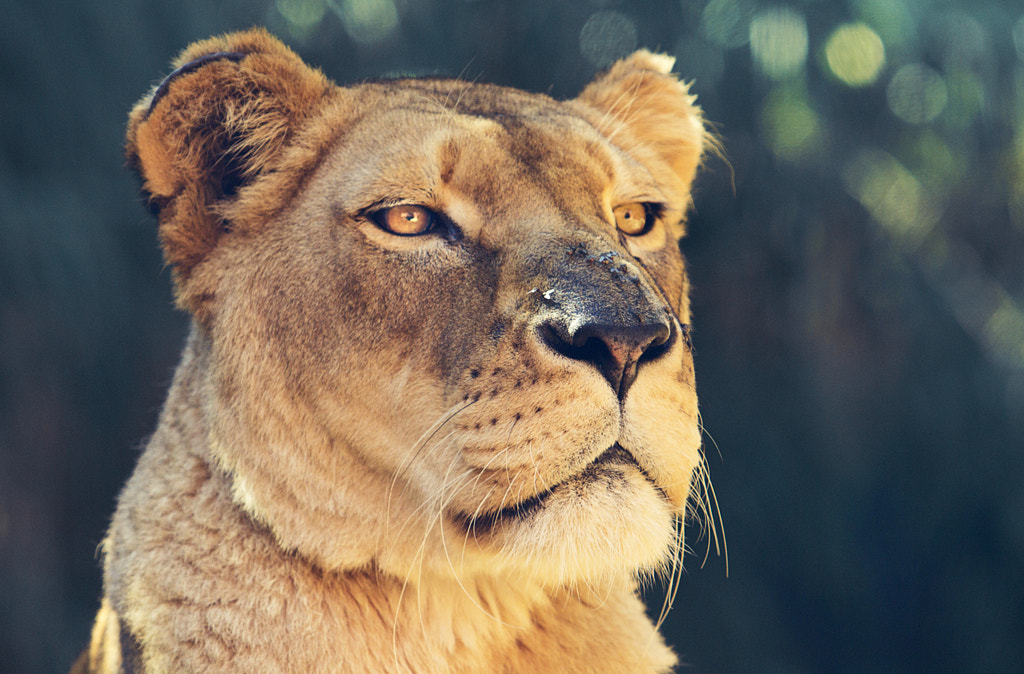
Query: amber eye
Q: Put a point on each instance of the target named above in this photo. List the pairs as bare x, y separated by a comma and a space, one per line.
632, 219
406, 219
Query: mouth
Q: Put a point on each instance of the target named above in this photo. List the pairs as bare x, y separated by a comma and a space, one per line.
607, 468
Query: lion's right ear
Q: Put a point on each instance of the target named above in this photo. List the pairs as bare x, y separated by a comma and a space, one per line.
644, 108
215, 124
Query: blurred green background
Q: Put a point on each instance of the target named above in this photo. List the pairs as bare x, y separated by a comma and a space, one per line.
858, 267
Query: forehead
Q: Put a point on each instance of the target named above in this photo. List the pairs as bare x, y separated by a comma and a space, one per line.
426, 132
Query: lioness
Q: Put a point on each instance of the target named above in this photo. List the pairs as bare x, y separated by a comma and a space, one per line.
437, 410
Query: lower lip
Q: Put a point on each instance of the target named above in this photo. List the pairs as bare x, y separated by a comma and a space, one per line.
524, 509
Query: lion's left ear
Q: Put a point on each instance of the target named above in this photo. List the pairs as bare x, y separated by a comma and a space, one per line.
651, 114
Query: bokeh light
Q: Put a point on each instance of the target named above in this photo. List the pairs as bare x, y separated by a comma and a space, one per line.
966, 98
368, 21
929, 157
1006, 330
916, 94
1015, 172
727, 22
607, 36
891, 19
1018, 38
778, 42
792, 129
301, 16
855, 54
978, 301
893, 196
965, 45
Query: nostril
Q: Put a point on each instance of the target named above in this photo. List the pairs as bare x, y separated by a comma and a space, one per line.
661, 341
623, 344
616, 350
555, 336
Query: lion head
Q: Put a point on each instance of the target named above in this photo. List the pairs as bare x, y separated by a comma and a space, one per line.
441, 327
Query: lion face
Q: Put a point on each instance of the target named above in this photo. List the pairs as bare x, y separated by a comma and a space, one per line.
444, 327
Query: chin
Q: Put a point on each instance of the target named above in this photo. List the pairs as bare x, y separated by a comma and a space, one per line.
609, 521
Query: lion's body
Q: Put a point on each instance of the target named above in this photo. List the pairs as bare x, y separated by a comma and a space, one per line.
453, 451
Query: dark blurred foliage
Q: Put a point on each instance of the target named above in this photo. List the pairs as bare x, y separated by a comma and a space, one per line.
858, 265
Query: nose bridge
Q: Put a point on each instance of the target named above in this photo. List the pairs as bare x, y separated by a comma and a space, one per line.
600, 309
599, 285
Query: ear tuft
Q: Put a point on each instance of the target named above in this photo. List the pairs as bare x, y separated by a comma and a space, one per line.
650, 114
646, 60
214, 125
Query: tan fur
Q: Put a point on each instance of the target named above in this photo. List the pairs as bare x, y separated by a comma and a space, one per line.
374, 455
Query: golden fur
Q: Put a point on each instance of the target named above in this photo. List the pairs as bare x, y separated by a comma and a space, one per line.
452, 452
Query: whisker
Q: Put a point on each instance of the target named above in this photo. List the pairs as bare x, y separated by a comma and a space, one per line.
724, 551
675, 574
442, 504
419, 445
422, 506
417, 559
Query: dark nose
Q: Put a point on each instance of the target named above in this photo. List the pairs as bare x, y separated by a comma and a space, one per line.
616, 350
